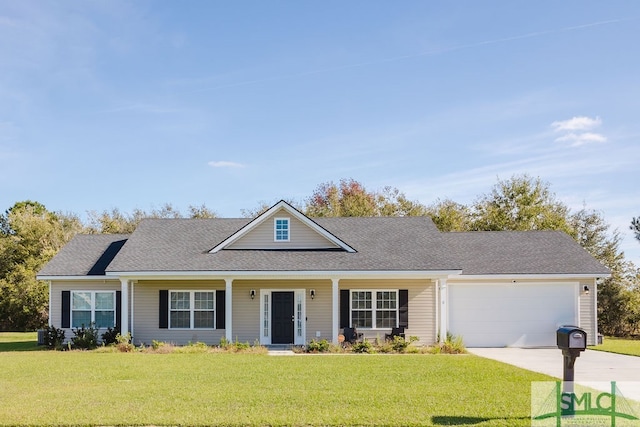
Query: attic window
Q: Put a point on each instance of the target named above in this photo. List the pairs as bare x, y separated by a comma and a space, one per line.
281, 230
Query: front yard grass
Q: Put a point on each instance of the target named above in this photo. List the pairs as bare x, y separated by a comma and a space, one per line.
19, 341
619, 345
93, 388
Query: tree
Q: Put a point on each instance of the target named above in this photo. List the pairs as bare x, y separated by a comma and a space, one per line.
350, 198
392, 202
520, 203
449, 215
525, 203
30, 236
116, 222
201, 211
635, 226
618, 295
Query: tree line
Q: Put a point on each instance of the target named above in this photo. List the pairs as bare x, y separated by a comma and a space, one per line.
30, 235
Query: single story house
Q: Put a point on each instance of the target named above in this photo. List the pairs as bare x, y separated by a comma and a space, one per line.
285, 278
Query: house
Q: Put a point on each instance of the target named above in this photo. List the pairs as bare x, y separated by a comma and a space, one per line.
284, 278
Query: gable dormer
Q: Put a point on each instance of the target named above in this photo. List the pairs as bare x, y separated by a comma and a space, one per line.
282, 227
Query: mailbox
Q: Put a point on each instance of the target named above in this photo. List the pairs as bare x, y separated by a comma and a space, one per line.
572, 341
571, 337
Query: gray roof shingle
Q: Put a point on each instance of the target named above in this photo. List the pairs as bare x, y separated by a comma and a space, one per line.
382, 244
521, 252
400, 244
85, 255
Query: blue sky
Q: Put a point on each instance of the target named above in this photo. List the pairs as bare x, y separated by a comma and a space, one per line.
134, 104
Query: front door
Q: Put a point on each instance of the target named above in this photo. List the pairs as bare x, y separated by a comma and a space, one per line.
282, 317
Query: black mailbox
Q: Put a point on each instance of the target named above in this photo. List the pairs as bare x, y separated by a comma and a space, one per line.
572, 341
571, 337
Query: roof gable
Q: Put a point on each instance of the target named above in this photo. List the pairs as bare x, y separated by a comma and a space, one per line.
303, 233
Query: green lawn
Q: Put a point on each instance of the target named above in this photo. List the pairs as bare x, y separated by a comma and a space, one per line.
53, 388
19, 341
619, 345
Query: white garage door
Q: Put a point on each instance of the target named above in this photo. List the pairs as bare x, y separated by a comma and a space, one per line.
514, 315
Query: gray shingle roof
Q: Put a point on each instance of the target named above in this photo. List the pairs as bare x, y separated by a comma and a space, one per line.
521, 252
382, 244
85, 255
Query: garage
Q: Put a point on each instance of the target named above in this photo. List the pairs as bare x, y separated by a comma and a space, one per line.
511, 314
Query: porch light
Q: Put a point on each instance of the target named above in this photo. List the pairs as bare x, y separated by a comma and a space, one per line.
586, 290
312, 292
252, 293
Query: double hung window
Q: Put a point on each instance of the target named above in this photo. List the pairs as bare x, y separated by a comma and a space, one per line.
98, 307
192, 309
375, 309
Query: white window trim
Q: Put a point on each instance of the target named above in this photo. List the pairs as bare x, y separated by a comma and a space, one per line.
265, 339
275, 229
192, 309
374, 307
93, 307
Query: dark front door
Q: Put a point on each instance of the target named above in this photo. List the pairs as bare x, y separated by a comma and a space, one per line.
282, 320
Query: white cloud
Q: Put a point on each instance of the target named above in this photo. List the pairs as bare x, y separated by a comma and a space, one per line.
578, 139
576, 124
574, 131
225, 164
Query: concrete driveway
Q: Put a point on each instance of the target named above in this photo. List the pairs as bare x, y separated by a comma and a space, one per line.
595, 369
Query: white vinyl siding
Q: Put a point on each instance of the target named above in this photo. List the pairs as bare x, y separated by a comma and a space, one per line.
146, 305
422, 306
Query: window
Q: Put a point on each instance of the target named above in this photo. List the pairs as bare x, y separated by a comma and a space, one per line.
98, 307
192, 309
374, 309
281, 230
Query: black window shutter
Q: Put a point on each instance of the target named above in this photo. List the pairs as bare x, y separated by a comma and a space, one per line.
220, 313
344, 308
403, 305
118, 309
163, 311
66, 309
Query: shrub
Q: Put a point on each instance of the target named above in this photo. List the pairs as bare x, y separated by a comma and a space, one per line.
321, 346
85, 338
110, 336
197, 347
123, 343
224, 342
363, 347
53, 338
452, 345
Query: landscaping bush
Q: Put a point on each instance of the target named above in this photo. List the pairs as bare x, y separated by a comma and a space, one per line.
110, 336
85, 337
321, 346
452, 345
123, 343
53, 338
363, 347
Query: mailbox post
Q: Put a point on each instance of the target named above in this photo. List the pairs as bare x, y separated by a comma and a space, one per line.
572, 341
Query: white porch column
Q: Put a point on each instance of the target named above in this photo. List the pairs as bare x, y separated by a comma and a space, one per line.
442, 287
124, 307
228, 331
335, 310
